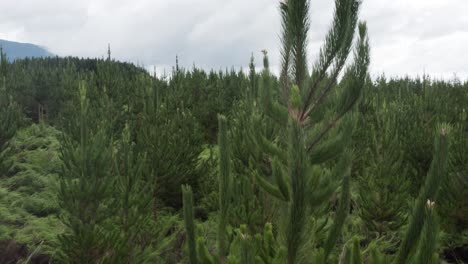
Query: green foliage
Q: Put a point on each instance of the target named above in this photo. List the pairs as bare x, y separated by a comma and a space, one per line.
253, 88
225, 183
106, 197
189, 223
132, 202
251, 167
376, 257
356, 252
342, 211
85, 187
428, 192
11, 118
208, 184
295, 177
312, 138
428, 243
29, 209
452, 204
3, 62
383, 173
172, 142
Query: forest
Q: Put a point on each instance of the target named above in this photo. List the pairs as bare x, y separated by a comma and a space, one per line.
104, 162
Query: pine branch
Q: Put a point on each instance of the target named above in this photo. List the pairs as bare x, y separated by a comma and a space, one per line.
341, 214
224, 187
337, 43
189, 223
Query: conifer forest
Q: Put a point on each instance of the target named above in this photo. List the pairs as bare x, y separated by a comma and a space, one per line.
102, 161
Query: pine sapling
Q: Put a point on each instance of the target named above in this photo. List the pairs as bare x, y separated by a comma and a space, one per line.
189, 223
429, 191
428, 243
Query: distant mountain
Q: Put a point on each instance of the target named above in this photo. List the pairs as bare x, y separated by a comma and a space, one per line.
16, 50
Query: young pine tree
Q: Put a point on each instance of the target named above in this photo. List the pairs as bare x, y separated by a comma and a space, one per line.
252, 206
199, 253
253, 87
427, 248
85, 187
131, 203
452, 205
315, 130
384, 174
171, 140
420, 216
313, 115
419, 243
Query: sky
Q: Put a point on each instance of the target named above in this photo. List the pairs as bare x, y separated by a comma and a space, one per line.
408, 37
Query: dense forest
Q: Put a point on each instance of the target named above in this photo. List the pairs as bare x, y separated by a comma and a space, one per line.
103, 162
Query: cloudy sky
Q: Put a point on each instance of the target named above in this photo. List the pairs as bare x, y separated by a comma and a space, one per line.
407, 36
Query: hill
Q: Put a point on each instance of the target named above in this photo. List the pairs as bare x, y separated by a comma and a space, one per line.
17, 50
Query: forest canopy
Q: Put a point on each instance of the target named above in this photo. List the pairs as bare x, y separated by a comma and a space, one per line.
104, 162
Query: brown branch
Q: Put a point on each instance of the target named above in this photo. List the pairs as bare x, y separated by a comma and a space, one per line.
312, 90
285, 81
322, 96
330, 126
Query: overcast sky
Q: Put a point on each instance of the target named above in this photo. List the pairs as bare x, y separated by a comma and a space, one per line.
407, 36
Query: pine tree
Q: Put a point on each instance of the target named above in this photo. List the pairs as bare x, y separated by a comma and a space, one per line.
452, 205
225, 185
108, 52
11, 118
189, 223
10, 112
199, 253
4, 64
313, 117
252, 78
252, 207
85, 187
435, 177
428, 242
131, 204
419, 244
170, 138
384, 173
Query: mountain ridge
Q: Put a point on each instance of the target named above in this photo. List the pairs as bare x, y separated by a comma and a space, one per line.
18, 50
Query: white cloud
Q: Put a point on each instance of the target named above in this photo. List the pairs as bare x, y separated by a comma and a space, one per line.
417, 36
407, 37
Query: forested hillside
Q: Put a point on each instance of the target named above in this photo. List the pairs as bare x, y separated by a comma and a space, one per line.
103, 162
